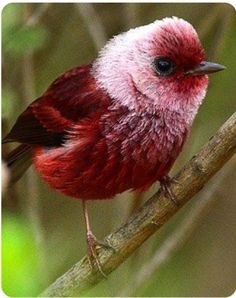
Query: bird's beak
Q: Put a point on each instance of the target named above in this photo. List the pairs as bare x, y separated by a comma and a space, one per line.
205, 68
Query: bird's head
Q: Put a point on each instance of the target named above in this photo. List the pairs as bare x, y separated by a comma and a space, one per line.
157, 66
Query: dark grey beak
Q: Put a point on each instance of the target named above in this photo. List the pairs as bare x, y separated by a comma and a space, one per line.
205, 68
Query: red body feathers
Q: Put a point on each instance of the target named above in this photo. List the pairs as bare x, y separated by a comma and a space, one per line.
98, 158
118, 123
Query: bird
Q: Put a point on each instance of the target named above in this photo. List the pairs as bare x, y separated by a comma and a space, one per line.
119, 122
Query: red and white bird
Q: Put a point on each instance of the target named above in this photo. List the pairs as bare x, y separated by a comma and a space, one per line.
120, 122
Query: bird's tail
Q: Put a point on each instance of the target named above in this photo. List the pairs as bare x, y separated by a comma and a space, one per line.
18, 161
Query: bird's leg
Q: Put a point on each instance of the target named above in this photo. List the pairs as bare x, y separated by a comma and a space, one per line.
165, 187
136, 203
93, 243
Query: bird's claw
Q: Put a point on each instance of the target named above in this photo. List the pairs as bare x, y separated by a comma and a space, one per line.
165, 187
93, 244
174, 180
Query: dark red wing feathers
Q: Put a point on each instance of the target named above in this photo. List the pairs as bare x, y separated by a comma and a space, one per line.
73, 96
29, 130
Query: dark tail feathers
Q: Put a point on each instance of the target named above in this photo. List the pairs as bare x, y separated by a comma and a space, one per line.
18, 161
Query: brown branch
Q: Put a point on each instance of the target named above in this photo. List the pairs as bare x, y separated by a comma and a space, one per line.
178, 236
157, 210
93, 24
5, 176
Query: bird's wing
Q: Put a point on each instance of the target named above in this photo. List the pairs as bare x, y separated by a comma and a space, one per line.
70, 98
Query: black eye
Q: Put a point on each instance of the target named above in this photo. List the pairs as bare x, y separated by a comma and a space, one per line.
164, 66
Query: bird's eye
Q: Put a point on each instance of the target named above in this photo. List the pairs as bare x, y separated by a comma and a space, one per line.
163, 66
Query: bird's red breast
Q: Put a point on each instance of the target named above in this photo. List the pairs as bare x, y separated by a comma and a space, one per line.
120, 122
106, 148
88, 147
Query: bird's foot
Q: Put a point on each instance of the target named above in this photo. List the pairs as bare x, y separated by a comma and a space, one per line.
93, 244
165, 187
173, 180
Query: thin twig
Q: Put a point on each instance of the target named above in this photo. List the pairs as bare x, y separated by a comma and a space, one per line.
220, 37
223, 18
178, 237
93, 23
208, 21
34, 19
155, 212
130, 15
5, 175
32, 186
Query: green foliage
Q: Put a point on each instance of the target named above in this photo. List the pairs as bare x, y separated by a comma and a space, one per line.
11, 16
19, 39
20, 261
24, 40
9, 98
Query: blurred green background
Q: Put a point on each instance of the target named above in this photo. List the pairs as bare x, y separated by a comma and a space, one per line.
43, 232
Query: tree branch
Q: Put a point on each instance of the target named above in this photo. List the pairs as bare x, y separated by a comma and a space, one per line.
178, 236
155, 212
93, 24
